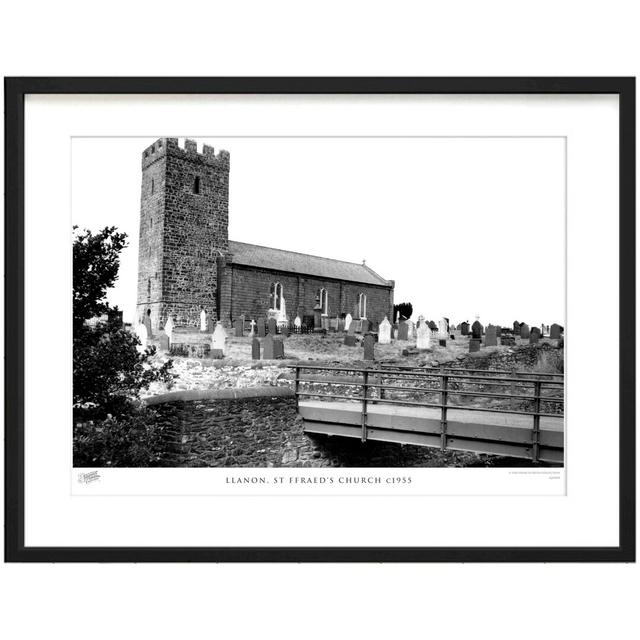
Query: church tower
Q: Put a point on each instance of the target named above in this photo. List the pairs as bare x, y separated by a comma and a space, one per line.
184, 240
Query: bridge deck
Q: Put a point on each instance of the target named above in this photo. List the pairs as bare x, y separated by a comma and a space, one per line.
483, 432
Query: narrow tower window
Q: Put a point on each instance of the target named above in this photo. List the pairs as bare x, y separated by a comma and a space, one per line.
153, 186
276, 295
196, 185
324, 301
362, 305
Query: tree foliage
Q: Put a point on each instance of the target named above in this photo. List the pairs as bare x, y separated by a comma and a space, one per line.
109, 370
405, 309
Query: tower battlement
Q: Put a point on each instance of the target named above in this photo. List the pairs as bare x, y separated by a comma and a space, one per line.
163, 147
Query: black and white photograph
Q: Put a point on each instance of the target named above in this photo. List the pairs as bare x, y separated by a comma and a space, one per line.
323, 302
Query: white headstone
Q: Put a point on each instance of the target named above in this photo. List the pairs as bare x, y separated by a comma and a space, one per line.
411, 330
282, 314
423, 335
253, 328
297, 322
141, 332
219, 340
168, 329
384, 332
443, 328
203, 320
348, 319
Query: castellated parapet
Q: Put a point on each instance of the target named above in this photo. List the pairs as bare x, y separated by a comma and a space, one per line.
184, 241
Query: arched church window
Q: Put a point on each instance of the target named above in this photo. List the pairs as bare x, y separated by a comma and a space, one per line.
275, 295
196, 185
324, 301
362, 305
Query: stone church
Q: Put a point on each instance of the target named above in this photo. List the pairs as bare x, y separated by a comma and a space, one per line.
187, 263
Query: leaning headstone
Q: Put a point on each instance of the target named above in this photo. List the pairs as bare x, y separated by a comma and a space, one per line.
476, 330
491, 337
403, 331
219, 340
141, 332
203, 320
267, 348
534, 336
423, 335
368, 344
384, 332
347, 321
261, 328
524, 331
555, 332
255, 349
238, 326
273, 326
474, 345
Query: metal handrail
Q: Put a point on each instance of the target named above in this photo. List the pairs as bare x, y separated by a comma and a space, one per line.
445, 391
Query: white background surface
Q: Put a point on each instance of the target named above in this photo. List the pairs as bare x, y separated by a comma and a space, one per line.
488, 601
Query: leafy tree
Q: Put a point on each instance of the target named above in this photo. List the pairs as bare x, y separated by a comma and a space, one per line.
405, 309
96, 260
109, 370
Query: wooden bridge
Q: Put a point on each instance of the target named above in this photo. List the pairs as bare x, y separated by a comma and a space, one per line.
517, 414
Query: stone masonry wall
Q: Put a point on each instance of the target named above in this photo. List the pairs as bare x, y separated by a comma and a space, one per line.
250, 291
184, 249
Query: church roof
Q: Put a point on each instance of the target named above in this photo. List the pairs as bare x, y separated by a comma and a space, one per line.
253, 255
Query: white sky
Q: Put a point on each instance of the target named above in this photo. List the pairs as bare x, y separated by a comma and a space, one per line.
464, 226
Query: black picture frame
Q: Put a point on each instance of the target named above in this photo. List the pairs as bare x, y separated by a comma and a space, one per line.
15, 91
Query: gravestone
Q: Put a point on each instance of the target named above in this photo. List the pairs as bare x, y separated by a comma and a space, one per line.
464, 328
297, 323
219, 340
284, 330
252, 331
491, 337
423, 335
507, 341
364, 325
267, 347
516, 328
278, 348
216, 354
141, 332
238, 325
168, 329
411, 330
442, 343
498, 331
476, 330
524, 330
384, 332
403, 331
211, 325
164, 341
555, 332
340, 325
443, 327
474, 345
347, 321
324, 322
203, 320
534, 336
273, 326
261, 328
350, 340
333, 324
368, 344
255, 349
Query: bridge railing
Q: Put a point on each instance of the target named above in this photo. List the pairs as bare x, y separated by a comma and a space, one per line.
521, 393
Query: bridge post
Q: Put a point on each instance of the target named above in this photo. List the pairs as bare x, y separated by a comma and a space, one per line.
537, 385
297, 385
443, 419
365, 386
